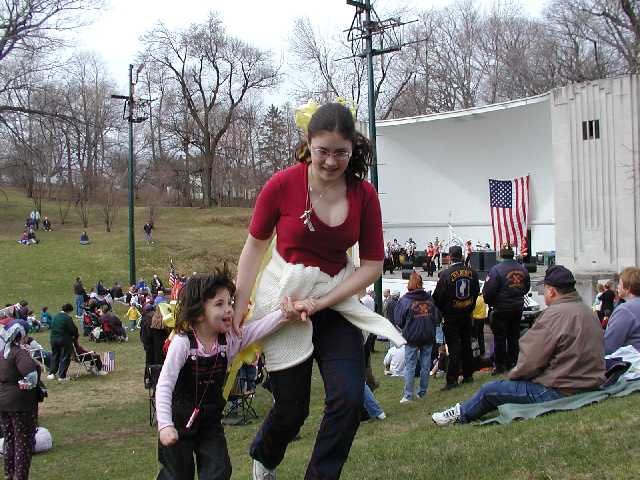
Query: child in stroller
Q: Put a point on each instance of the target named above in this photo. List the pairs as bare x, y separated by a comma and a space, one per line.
90, 319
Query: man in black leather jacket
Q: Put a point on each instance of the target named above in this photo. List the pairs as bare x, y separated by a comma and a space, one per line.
504, 290
455, 295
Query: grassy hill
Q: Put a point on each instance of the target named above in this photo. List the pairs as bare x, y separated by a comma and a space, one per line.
100, 425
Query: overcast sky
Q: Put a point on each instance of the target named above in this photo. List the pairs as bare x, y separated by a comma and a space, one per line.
116, 31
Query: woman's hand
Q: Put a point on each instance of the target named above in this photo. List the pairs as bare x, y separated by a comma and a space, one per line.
239, 316
306, 307
288, 311
168, 436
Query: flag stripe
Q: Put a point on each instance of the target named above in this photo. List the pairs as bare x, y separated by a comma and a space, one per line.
493, 228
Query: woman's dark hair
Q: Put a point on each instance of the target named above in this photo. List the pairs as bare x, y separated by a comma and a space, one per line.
197, 290
335, 117
67, 307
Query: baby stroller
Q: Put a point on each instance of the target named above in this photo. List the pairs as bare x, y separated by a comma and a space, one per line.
89, 322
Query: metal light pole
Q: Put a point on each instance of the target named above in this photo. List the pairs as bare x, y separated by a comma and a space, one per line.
388, 32
129, 114
371, 96
132, 239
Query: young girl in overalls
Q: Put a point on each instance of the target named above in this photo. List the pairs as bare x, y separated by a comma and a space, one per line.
189, 398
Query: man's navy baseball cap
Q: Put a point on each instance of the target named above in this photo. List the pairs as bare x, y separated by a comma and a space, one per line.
558, 276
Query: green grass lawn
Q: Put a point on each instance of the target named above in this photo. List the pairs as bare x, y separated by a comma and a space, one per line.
100, 424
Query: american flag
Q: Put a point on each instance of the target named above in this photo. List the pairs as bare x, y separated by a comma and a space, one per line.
173, 276
509, 201
109, 361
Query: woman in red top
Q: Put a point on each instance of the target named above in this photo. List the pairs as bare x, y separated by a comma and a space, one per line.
318, 208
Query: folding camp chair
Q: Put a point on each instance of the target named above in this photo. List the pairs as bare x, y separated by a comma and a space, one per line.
38, 355
84, 362
239, 409
151, 380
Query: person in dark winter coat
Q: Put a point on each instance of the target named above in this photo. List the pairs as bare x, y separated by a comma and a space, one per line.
19, 376
417, 316
455, 295
153, 335
504, 289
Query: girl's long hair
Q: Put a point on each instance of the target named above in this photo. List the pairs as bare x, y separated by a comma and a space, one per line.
335, 117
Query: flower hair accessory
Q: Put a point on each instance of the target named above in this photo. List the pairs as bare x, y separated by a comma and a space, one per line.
304, 112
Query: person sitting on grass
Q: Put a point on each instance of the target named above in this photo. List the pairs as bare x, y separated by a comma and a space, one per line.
623, 327
394, 361
45, 317
112, 325
84, 238
560, 355
189, 391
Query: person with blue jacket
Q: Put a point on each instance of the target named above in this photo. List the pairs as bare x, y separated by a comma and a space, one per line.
504, 289
417, 316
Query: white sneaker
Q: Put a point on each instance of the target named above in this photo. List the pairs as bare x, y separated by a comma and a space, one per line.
405, 400
102, 372
260, 472
51, 376
446, 417
382, 416
65, 379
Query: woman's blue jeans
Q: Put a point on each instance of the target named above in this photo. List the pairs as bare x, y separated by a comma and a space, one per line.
79, 305
371, 405
493, 394
411, 355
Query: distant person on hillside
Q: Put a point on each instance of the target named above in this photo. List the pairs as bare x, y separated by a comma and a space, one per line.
116, 292
156, 284
148, 227
45, 317
35, 219
133, 315
23, 311
80, 296
84, 238
46, 224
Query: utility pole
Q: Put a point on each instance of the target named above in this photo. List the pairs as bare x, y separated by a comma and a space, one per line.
389, 35
132, 107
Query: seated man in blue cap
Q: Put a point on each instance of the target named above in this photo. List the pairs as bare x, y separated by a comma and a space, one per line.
561, 354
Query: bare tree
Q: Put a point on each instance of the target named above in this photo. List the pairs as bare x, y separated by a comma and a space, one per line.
346, 78
215, 73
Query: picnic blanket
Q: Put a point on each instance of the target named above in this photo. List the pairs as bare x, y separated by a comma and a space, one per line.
626, 384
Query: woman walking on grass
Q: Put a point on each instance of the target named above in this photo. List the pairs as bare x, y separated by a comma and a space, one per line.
318, 208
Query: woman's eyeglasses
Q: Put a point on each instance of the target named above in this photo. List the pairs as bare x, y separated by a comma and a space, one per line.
323, 154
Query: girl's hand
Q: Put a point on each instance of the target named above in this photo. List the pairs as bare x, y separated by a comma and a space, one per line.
288, 311
306, 307
168, 436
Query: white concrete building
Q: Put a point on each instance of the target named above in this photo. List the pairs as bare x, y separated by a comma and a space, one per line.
579, 144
